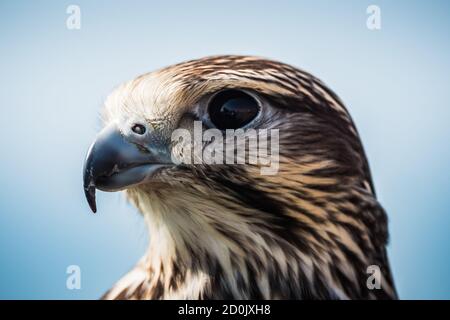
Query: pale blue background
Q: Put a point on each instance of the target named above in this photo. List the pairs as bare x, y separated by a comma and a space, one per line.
52, 83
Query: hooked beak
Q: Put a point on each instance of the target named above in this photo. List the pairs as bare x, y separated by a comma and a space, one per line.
114, 163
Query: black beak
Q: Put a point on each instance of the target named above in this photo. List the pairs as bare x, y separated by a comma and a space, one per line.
114, 163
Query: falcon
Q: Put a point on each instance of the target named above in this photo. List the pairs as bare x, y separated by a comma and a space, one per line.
312, 230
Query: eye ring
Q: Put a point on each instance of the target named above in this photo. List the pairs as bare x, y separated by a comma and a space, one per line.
138, 129
232, 109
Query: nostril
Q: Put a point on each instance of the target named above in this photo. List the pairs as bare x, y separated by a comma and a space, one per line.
138, 129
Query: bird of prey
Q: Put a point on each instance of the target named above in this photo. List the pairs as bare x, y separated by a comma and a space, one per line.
226, 231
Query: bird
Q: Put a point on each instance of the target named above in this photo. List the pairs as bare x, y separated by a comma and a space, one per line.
312, 230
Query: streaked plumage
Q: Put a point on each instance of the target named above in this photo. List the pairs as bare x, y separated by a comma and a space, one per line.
217, 232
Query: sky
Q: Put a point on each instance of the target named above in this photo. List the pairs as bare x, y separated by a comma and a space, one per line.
394, 81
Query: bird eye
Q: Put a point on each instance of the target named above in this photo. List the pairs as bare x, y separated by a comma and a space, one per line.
138, 129
232, 109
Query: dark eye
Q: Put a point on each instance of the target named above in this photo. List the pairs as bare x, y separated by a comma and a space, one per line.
232, 109
138, 129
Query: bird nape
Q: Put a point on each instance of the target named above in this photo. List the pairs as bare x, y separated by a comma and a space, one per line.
311, 229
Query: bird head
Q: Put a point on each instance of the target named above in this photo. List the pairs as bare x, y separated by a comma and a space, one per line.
311, 212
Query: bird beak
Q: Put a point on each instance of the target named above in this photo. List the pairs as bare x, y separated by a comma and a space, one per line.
114, 163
